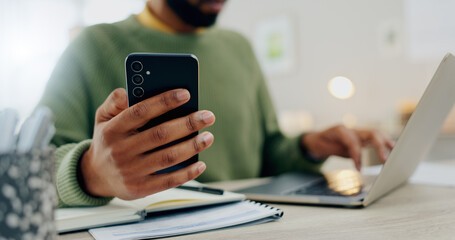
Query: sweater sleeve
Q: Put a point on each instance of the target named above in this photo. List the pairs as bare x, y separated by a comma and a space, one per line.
280, 153
67, 96
69, 190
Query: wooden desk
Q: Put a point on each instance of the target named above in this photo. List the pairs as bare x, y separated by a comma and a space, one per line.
410, 212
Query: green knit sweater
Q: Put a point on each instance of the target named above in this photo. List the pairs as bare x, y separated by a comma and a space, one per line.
248, 142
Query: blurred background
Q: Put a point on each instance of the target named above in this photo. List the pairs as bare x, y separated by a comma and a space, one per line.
364, 63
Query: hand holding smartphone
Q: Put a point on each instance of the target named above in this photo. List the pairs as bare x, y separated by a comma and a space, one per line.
149, 74
145, 139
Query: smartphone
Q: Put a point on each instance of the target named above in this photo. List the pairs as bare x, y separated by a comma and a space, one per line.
149, 74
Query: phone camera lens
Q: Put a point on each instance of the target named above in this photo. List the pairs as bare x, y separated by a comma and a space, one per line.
138, 92
136, 66
138, 79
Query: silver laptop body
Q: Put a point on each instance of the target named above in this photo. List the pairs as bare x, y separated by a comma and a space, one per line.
348, 187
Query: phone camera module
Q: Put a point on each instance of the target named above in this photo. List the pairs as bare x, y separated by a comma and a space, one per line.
138, 79
136, 66
138, 92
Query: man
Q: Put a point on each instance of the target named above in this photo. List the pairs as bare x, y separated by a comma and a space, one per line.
102, 155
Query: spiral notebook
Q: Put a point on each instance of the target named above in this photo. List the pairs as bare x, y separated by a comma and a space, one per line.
120, 211
192, 221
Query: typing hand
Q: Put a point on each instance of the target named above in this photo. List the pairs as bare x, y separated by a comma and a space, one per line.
346, 142
118, 162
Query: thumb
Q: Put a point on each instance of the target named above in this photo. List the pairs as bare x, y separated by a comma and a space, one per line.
114, 104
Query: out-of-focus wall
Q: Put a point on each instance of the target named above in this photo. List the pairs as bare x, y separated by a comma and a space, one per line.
33, 35
364, 40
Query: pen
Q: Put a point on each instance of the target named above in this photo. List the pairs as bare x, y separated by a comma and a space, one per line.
36, 130
8, 122
24, 139
203, 189
44, 126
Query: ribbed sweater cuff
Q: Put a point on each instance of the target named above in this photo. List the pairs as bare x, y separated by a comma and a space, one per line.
69, 191
305, 161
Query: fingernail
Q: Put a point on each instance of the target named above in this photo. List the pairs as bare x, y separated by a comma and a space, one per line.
183, 95
201, 167
357, 165
207, 117
205, 137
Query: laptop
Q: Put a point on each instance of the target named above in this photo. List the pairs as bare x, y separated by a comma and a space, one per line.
348, 187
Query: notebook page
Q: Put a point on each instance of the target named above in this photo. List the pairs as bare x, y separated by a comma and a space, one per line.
192, 221
70, 219
175, 198
81, 212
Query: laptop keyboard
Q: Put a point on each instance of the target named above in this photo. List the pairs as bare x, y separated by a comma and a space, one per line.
319, 188
336, 183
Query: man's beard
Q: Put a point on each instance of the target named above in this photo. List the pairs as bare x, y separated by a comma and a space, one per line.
191, 14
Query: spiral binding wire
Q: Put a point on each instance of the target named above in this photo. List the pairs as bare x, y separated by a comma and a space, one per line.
266, 206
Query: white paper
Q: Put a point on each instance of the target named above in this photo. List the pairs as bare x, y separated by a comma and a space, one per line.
428, 173
197, 220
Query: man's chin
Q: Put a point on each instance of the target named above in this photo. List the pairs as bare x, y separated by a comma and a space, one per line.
195, 15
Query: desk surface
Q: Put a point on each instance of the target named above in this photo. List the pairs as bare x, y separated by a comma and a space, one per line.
410, 212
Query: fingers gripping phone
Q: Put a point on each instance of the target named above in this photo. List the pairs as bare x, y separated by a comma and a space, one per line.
149, 74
